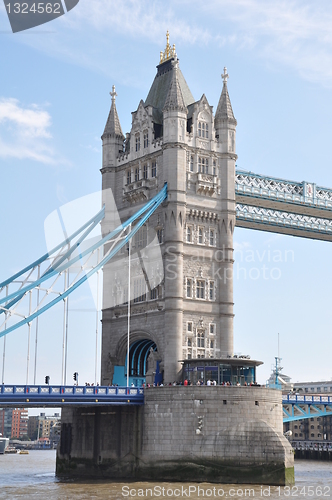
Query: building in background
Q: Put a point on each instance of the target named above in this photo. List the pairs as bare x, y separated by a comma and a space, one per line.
6, 422
40, 426
19, 423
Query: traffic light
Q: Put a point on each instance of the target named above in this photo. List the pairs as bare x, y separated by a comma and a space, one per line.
75, 377
47, 380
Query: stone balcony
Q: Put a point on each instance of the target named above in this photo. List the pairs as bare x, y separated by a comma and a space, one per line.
138, 190
206, 184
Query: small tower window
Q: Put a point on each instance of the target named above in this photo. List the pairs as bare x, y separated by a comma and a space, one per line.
160, 235
200, 236
212, 328
154, 169
200, 339
128, 176
203, 130
212, 237
145, 172
211, 344
214, 167
190, 326
203, 165
137, 142
189, 234
136, 174
211, 290
189, 286
200, 289
189, 342
146, 138
191, 166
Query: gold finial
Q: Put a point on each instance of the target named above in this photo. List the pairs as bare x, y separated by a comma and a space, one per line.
169, 52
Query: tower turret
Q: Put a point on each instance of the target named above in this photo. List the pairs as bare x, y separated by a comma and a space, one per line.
112, 137
225, 126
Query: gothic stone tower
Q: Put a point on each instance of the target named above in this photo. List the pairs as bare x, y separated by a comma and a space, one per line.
177, 140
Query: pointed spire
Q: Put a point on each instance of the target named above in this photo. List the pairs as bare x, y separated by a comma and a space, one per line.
113, 126
174, 99
224, 109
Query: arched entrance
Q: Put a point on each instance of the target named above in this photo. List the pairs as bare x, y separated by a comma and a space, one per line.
139, 352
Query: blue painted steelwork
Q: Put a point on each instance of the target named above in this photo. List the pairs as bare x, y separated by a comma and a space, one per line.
58, 395
145, 212
282, 206
302, 407
303, 193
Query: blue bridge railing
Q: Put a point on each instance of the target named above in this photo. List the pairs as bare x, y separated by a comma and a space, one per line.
58, 395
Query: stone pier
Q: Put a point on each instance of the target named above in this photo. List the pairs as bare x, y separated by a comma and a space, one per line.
214, 434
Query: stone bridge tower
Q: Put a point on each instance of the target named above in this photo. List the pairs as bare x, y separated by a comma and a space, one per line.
177, 140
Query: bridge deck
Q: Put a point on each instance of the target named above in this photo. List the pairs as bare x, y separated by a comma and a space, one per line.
57, 396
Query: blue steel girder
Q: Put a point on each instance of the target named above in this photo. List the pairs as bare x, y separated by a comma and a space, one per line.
57, 396
62, 261
282, 206
304, 407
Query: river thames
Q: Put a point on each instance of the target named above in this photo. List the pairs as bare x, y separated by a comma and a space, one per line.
32, 476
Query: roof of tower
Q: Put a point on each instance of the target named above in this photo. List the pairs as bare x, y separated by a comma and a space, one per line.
174, 99
113, 126
161, 84
224, 109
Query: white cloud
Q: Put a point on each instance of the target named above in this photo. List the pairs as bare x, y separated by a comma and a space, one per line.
25, 132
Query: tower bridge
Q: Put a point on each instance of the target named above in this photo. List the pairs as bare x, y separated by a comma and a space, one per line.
175, 186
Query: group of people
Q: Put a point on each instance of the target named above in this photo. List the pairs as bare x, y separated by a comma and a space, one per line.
201, 382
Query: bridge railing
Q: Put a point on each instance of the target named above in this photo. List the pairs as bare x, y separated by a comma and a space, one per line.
32, 393
293, 399
259, 186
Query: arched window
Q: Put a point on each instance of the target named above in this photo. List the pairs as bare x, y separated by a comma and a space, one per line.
145, 172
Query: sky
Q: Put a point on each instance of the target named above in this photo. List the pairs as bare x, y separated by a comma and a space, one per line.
54, 101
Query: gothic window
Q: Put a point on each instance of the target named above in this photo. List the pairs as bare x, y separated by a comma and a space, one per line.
189, 234
190, 326
211, 290
200, 339
214, 167
200, 289
200, 236
212, 328
136, 174
212, 237
128, 176
203, 165
154, 169
145, 172
137, 142
146, 138
189, 287
211, 344
189, 355
191, 166
189, 342
154, 293
139, 290
203, 130
160, 235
